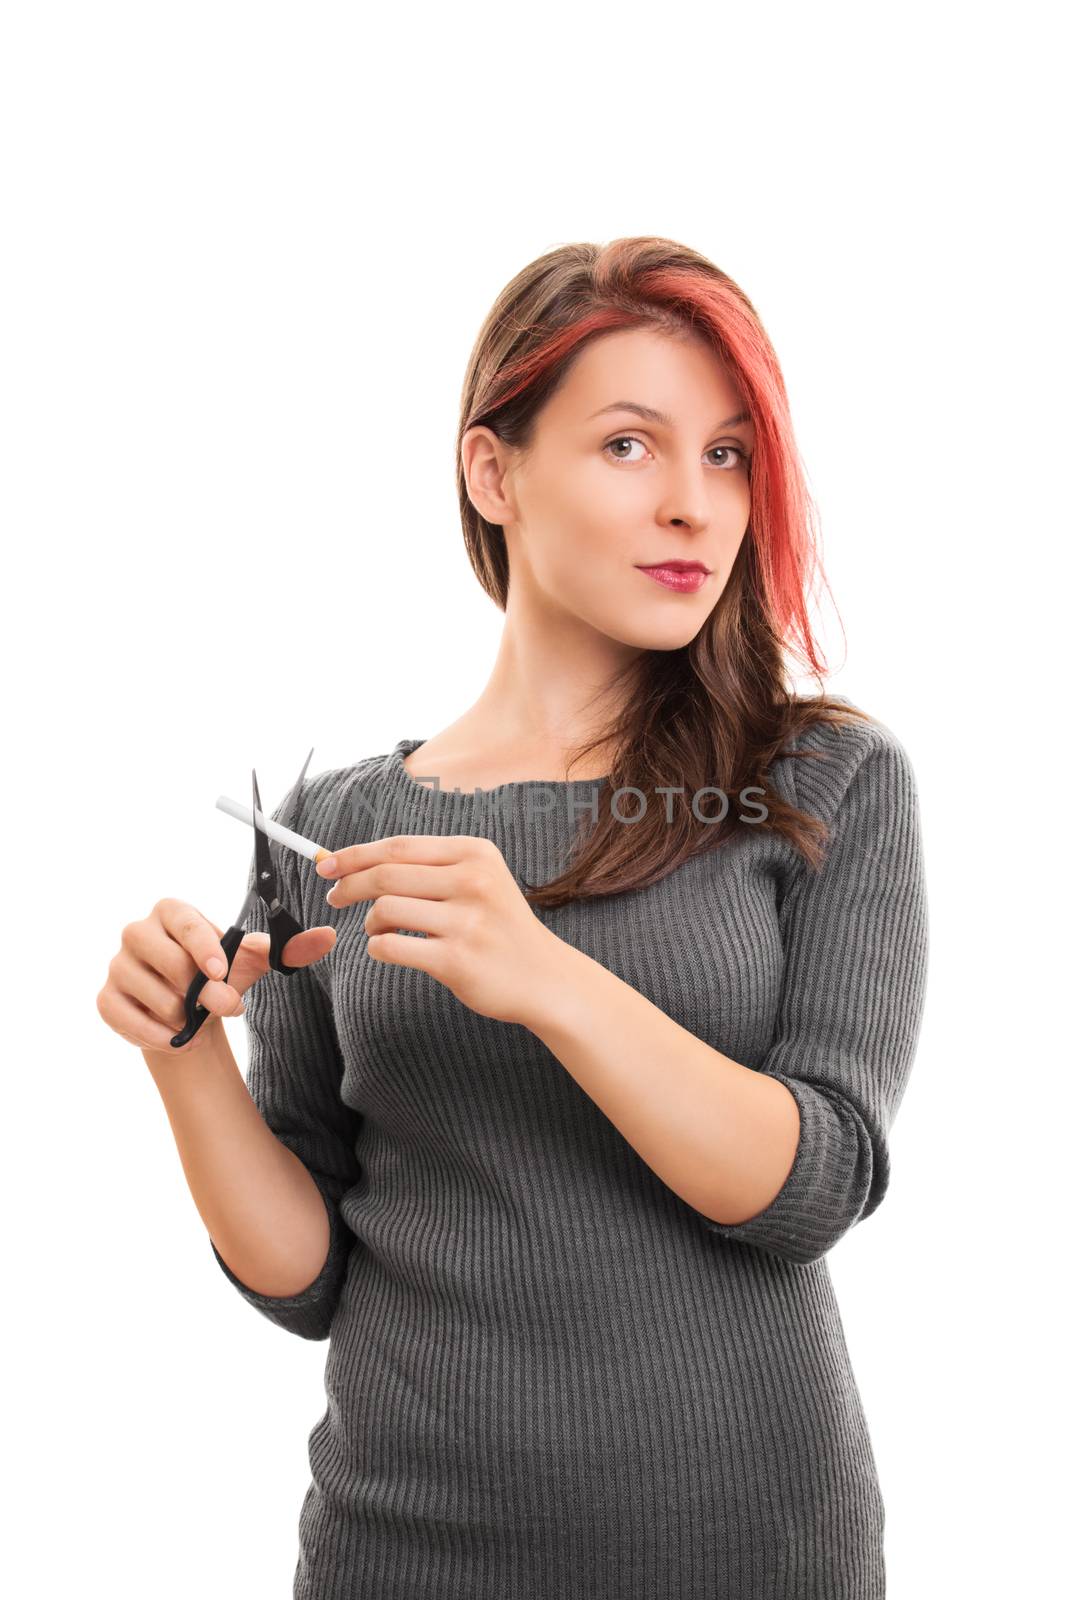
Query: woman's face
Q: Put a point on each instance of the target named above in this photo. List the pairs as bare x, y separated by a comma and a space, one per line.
604, 492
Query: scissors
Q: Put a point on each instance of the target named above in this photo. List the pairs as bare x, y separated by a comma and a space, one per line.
280, 922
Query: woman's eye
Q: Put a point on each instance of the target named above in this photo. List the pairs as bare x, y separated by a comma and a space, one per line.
742, 457
624, 439
631, 439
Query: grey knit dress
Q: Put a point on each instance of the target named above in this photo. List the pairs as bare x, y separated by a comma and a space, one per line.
547, 1375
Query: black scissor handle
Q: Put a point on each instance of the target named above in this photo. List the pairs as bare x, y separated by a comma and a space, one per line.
196, 1014
282, 925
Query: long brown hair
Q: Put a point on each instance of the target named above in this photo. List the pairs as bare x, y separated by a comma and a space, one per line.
721, 705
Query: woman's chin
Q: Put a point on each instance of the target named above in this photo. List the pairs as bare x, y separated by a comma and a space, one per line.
639, 631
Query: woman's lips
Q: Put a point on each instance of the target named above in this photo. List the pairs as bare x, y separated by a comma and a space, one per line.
685, 579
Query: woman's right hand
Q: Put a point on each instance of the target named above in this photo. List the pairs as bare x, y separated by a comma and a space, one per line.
143, 1000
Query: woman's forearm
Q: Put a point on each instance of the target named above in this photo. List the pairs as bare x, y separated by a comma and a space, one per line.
721, 1135
262, 1209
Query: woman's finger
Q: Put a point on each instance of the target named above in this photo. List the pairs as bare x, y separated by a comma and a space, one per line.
431, 849
392, 912
445, 882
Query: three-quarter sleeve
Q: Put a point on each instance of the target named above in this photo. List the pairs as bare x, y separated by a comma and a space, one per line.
295, 1067
855, 943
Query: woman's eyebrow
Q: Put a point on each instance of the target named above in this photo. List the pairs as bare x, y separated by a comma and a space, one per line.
650, 414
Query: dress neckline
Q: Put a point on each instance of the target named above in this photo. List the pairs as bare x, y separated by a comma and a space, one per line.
405, 747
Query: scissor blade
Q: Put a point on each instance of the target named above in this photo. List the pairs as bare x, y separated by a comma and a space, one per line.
264, 861
299, 784
264, 883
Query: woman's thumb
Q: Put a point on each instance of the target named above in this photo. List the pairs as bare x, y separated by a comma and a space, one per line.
250, 961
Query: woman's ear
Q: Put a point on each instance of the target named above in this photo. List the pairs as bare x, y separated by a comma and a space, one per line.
487, 467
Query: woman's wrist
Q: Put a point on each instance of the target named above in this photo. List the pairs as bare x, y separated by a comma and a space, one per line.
551, 976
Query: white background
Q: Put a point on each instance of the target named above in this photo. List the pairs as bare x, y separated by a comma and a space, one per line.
246, 252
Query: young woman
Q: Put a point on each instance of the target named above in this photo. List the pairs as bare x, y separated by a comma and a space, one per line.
606, 1006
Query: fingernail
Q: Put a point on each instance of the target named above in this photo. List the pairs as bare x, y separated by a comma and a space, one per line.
327, 866
216, 967
330, 896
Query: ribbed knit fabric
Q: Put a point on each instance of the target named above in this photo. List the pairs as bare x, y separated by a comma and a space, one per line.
548, 1376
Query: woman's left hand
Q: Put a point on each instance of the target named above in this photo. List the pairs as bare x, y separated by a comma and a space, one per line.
484, 941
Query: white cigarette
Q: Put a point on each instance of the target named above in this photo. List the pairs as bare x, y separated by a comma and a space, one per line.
274, 830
